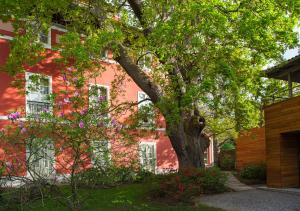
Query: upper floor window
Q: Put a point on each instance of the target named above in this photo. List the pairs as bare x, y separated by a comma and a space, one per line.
97, 94
38, 90
147, 151
104, 54
44, 37
145, 62
145, 109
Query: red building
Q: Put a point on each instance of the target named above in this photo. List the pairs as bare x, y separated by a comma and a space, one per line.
156, 147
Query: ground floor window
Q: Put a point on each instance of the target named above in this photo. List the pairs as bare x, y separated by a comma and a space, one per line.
206, 156
148, 156
40, 157
101, 156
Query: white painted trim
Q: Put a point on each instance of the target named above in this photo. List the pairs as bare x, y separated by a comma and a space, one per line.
151, 143
109, 61
100, 85
212, 160
27, 74
138, 100
5, 37
28, 175
160, 129
58, 28
2, 117
48, 44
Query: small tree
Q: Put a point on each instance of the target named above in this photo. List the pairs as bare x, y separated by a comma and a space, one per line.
66, 139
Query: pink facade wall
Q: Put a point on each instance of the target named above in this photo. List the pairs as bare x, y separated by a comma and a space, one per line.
12, 99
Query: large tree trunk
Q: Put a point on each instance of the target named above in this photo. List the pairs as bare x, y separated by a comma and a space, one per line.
185, 134
188, 141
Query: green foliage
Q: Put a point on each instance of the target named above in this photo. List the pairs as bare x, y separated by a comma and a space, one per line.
211, 53
110, 176
227, 163
126, 197
189, 183
227, 146
254, 172
227, 159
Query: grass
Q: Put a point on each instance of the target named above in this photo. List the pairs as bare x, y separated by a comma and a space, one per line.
125, 197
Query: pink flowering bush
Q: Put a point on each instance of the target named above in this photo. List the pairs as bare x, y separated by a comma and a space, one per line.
68, 128
14, 116
189, 183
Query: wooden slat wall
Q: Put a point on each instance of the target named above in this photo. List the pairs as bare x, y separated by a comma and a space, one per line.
251, 148
282, 129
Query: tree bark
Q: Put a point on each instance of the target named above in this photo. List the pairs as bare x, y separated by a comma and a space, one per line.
186, 135
188, 141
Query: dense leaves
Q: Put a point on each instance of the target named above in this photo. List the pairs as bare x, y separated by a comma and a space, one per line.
207, 55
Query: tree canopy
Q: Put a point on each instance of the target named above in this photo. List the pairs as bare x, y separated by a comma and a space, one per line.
206, 56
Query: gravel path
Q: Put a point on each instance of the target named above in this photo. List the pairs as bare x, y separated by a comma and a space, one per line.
254, 200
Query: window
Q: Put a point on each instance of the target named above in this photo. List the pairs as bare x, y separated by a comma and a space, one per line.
145, 62
97, 93
104, 54
145, 109
206, 157
148, 156
44, 37
101, 156
40, 157
38, 90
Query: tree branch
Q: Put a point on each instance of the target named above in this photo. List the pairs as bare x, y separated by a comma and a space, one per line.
138, 76
136, 6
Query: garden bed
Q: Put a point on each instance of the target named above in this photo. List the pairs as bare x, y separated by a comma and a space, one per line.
124, 197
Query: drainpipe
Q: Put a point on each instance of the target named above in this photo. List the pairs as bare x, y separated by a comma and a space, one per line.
290, 85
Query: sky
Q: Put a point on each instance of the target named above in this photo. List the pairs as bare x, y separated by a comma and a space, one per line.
292, 52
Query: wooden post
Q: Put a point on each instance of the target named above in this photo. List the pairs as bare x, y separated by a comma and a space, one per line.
290, 85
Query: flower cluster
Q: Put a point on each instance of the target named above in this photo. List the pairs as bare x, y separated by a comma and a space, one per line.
14, 116
81, 124
102, 98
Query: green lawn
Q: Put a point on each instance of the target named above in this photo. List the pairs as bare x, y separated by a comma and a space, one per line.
126, 197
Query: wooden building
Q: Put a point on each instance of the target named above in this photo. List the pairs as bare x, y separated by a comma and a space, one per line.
282, 128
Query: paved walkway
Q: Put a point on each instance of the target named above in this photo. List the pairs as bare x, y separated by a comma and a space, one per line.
285, 190
246, 198
253, 200
234, 184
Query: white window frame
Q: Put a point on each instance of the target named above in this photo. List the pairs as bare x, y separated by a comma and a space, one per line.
148, 102
100, 85
105, 57
210, 154
48, 44
27, 75
53, 169
93, 158
152, 144
145, 103
144, 67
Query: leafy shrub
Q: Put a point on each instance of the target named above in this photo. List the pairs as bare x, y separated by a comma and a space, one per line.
109, 177
254, 172
227, 163
188, 183
227, 160
213, 180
